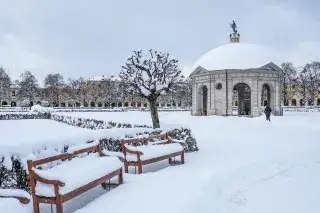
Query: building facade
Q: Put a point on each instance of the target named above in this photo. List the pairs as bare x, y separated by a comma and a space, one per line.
236, 79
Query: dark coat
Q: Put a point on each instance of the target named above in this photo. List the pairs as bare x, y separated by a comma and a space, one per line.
267, 110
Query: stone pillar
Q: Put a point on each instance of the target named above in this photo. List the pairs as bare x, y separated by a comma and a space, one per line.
254, 98
230, 94
194, 98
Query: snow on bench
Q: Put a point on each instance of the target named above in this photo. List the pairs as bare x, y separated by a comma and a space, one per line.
149, 150
21, 195
73, 177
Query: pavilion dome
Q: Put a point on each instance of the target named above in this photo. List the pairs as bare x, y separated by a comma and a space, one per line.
235, 56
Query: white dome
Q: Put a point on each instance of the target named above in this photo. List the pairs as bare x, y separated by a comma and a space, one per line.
235, 56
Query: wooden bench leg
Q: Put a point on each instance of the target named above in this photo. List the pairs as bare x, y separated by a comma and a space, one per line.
59, 208
182, 157
120, 176
139, 167
35, 201
126, 167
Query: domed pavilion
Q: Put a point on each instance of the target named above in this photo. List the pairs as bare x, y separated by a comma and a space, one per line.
236, 79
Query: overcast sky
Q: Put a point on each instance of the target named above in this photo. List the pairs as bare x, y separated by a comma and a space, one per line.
91, 38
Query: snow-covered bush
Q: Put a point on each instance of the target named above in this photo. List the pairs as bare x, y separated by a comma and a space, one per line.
40, 109
21, 116
93, 123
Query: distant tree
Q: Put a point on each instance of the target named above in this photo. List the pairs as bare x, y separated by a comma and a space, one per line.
149, 76
109, 90
288, 82
28, 87
303, 86
312, 72
77, 87
5, 83
53, 84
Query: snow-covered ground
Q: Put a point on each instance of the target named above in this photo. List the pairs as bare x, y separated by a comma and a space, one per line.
244, 166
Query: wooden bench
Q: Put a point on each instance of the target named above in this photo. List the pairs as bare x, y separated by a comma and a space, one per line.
73, 176
149, 150
22, 196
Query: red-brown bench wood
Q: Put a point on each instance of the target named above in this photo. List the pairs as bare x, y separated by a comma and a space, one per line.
139, 163
59, 199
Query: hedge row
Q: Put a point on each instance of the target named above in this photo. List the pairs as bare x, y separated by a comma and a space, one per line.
23, 116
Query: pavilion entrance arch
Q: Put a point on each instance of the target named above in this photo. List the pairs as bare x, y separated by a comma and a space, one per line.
243, 93
202, 101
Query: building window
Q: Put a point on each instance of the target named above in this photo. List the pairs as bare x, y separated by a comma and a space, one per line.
13, 93
218, 86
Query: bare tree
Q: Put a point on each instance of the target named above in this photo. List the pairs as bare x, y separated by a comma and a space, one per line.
303, 86
312, 72
77, 87
108, 86
149, 76
5, 83
28, 87
288, 82
53, 84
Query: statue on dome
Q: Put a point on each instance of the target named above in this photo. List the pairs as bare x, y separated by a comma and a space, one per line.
234, 27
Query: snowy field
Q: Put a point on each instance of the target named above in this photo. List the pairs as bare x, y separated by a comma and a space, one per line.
244, 166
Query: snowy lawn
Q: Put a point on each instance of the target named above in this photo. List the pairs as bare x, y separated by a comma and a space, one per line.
244, 166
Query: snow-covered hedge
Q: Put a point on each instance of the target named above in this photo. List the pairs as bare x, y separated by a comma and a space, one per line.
21, 116
92, 123
13, 169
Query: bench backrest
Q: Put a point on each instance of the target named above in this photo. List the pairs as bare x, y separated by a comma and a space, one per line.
65, 156
145, 139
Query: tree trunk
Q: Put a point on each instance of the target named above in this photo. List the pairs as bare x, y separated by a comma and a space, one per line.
154, 113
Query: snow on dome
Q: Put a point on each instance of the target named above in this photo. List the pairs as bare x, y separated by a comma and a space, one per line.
235, 56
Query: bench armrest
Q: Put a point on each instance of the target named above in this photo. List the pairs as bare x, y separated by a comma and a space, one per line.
112, 154
45, 180
23, 200
134, 152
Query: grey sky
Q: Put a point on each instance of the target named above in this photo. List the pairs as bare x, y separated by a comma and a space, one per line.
90, 38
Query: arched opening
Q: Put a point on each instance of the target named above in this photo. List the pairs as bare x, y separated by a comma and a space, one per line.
310, 102
266, 95
119, 104
318, 102
100, 104
55, 104
113, 105
203, 100
85, 104
70, 104
106, 104
145, 105
77, 104
301, 102
63, 104
133, 104
92, 104
13, 104
243, 92
139, 104
126, 104
294, 102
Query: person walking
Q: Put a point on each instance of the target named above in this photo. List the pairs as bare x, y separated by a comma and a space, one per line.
267, 111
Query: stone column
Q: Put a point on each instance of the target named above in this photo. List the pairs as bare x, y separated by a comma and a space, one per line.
254, 97
194, 98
